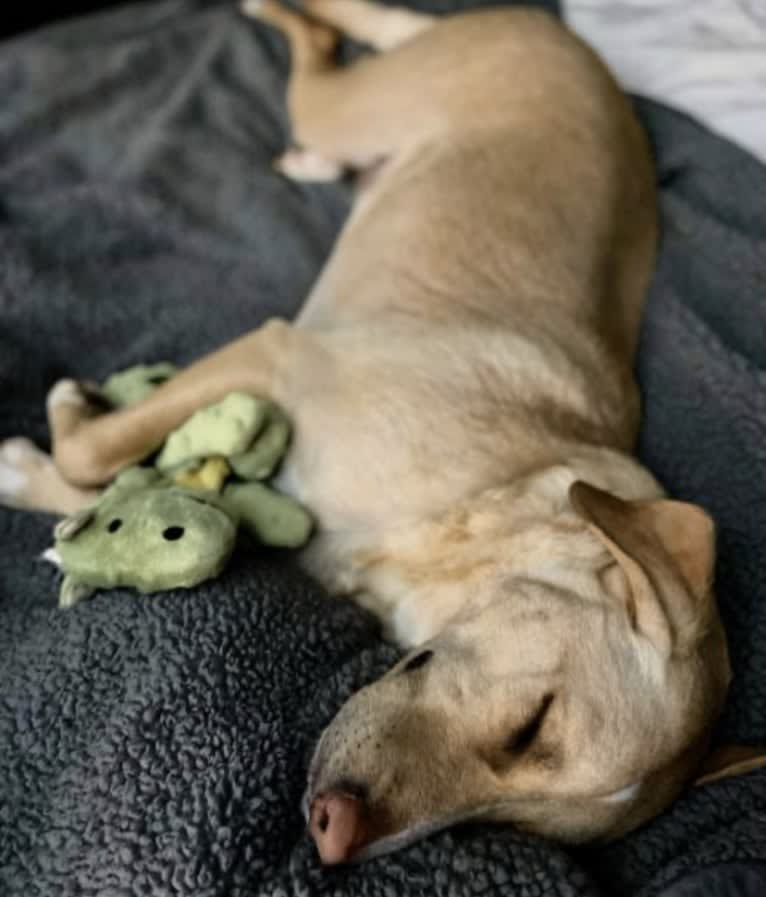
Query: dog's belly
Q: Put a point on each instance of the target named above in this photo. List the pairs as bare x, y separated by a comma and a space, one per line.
395, 428
354, 473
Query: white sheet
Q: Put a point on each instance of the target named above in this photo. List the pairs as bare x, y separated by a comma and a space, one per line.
707, 57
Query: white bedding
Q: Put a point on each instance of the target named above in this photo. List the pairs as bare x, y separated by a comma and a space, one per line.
707, 57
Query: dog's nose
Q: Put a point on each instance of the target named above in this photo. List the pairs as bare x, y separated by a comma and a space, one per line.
337, 826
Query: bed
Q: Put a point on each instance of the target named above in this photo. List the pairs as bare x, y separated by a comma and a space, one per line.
158, 745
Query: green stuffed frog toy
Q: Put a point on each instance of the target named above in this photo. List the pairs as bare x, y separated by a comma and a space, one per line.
175, 524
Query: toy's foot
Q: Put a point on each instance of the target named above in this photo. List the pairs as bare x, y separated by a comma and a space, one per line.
29, 479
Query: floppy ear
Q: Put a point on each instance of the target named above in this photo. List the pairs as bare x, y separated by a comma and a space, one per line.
730, 760
666, 551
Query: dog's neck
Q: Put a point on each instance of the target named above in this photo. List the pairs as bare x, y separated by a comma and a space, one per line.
414, 574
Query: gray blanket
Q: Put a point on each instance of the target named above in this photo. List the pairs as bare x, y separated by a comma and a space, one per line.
158, 745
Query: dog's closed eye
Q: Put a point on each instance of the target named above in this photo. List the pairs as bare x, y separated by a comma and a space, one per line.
522, 738
419, 660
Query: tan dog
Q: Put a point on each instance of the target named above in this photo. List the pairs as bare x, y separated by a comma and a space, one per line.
461, 384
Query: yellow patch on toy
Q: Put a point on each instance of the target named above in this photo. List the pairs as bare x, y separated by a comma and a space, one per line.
209, 476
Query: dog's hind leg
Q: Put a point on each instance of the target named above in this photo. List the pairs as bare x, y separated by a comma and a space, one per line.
312, 44
352, 116
382, 27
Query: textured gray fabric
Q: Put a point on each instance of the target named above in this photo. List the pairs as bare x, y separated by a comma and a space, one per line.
157, 746
725, 880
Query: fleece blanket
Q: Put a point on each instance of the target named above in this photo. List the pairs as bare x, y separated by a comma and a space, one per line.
158, 745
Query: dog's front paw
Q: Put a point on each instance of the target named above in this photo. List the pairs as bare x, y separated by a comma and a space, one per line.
68, 404
21, 464
29, 479
78, 394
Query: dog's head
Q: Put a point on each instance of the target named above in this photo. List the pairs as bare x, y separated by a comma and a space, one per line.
573, 701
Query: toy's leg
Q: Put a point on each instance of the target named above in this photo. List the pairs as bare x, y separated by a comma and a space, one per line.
29, 479
89, 447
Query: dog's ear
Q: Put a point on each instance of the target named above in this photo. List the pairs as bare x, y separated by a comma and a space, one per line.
730, 760
666, 551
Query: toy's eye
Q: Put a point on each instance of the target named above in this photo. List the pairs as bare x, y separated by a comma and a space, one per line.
114, 525
172, 533
157, 380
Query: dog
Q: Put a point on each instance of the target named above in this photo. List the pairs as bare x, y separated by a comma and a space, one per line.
461, 384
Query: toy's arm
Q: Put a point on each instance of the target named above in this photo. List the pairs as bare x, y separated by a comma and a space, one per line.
270, 445
272, 518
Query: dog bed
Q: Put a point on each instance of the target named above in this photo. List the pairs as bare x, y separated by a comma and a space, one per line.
158, 745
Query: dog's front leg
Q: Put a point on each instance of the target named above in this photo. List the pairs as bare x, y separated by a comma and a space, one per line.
29, 480
89, 447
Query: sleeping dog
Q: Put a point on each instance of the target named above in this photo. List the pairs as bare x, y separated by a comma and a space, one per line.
461, 384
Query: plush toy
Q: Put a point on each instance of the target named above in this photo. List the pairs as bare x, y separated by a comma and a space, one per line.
251, 434
174, 525
134, 384
142, 533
